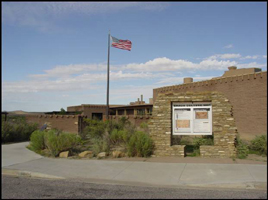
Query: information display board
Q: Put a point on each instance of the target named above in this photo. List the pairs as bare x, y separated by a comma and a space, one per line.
192, 119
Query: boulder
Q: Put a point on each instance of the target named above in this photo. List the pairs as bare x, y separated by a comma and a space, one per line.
102, 155
118, 154
86, 154
64, 154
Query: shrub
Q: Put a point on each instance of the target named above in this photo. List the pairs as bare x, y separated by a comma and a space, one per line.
185, 141
242, 148
95, 128
57, 142
259, 144
144, 125
18, 130
140, 144
122, 123
100, 145
118, 136
37, 141
197, 142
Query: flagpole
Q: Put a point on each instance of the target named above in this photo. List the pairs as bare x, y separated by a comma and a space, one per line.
108, 73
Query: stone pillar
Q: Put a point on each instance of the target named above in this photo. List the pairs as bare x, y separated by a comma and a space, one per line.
125, 112
135, 112
116, 112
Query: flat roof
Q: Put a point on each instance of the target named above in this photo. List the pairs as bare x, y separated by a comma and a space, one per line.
131, 106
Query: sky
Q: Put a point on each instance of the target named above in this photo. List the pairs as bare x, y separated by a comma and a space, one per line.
54, 54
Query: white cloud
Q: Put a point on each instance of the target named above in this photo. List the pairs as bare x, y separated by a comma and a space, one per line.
166, 64
43, 15
67, 70
251, 65
250, 57
224, 56
179, 80
228, 46
264, 56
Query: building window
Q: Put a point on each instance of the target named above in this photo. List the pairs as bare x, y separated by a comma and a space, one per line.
140, 111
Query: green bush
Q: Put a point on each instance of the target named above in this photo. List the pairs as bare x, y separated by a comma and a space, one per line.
185, 141
37, 141
17, 130
95, 128
259, 144
122, 123
140, 144
197, 142
242, 148
57, 142
119, 136
144, 125
100, 145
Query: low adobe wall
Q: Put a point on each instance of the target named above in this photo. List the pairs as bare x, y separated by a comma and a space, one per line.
247, 94
134, 119
66, 123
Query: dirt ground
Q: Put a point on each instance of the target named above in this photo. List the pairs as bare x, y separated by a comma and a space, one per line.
251, 159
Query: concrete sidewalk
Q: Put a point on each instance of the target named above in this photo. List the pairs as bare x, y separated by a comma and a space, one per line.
133, 172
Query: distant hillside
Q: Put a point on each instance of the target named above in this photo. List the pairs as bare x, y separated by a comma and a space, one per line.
21, 112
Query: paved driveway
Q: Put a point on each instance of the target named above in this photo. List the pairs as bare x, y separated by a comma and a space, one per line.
17, 153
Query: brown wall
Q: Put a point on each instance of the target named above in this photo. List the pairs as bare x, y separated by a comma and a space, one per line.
74, 108
88, 110
247, 94
136, 120
67, 123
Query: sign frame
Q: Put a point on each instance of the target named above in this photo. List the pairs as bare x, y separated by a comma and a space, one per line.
181, 109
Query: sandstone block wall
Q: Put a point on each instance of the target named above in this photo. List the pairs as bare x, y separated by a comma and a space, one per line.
223, 127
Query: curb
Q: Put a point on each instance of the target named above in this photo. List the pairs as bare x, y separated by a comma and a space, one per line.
19, 173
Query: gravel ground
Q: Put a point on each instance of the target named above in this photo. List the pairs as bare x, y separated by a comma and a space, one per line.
29, 188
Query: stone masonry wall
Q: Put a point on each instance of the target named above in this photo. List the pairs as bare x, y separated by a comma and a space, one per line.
223, 127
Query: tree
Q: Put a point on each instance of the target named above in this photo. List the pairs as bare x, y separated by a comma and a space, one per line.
62, 111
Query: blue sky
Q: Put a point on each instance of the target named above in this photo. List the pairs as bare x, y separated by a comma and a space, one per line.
54, 54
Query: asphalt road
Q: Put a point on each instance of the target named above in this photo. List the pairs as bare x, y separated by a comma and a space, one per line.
30, 188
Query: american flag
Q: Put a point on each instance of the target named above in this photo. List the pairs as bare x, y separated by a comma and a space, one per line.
121, 44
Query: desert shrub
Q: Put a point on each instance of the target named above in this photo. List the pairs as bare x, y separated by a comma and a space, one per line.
57, 142
122, 123
110, 125
185, 141
119, 136
144, 125
37, 141
197, 142
100, 145
140, 144
17, 131
242, 148
259, 144
94, 129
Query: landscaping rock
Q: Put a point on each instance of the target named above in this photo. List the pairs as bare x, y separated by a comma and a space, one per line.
86, 154
118, 154
64, 154
102, 155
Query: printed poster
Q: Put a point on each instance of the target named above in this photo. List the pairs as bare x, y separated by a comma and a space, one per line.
201, 115
182, 124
